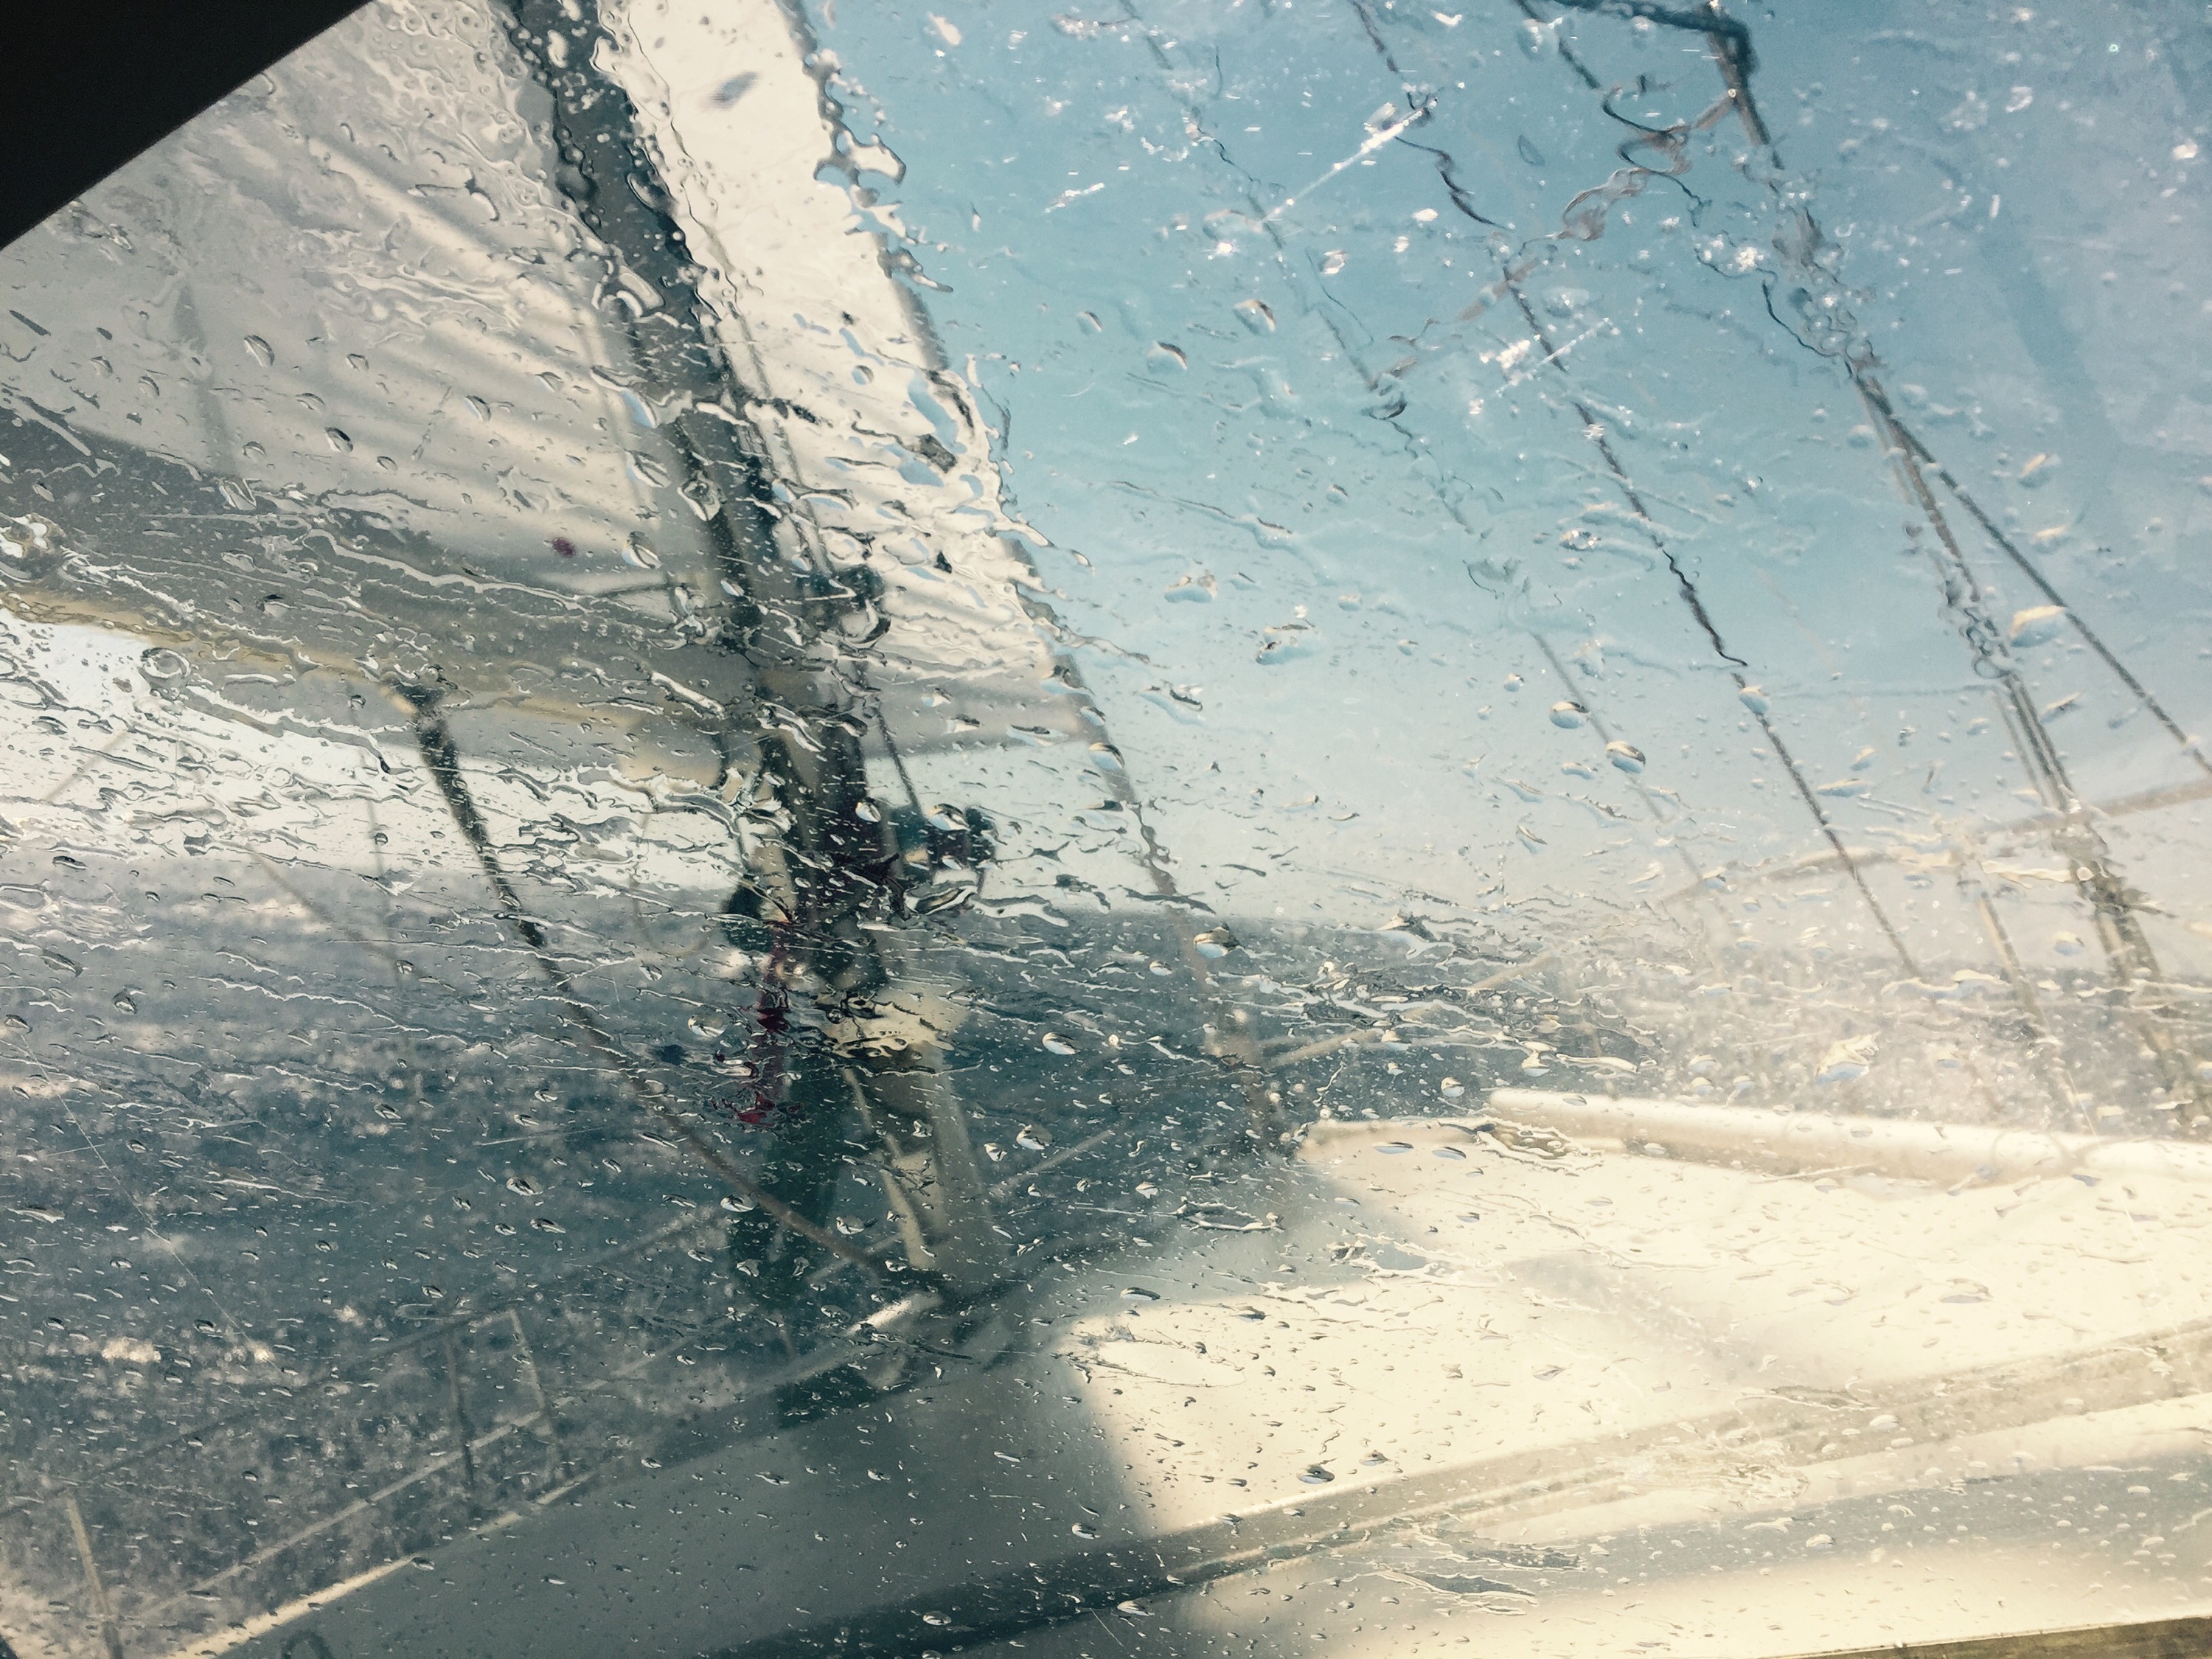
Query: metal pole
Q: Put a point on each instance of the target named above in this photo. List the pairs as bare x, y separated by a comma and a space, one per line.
111, 1634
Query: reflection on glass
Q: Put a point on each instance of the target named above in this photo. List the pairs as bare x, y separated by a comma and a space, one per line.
1264, 828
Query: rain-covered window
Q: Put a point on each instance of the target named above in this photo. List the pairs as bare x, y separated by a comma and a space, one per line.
1265, 827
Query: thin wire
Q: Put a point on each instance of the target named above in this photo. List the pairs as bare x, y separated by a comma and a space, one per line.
1737, 666
2127, 947
1685, 585
2190, 745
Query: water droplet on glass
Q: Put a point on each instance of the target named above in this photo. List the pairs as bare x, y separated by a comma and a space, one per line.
1194, 587
1753, 698
1626, 756
1256, 315
162, 667
1314, 1475
1056, 1044
2037, 625
338, 440
1569, 716
261, 353
1081, 1530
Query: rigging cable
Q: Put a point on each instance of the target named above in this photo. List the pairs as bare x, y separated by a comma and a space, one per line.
1593, 429
2127, 946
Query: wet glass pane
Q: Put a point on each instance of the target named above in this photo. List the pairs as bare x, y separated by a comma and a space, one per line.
1249, 828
